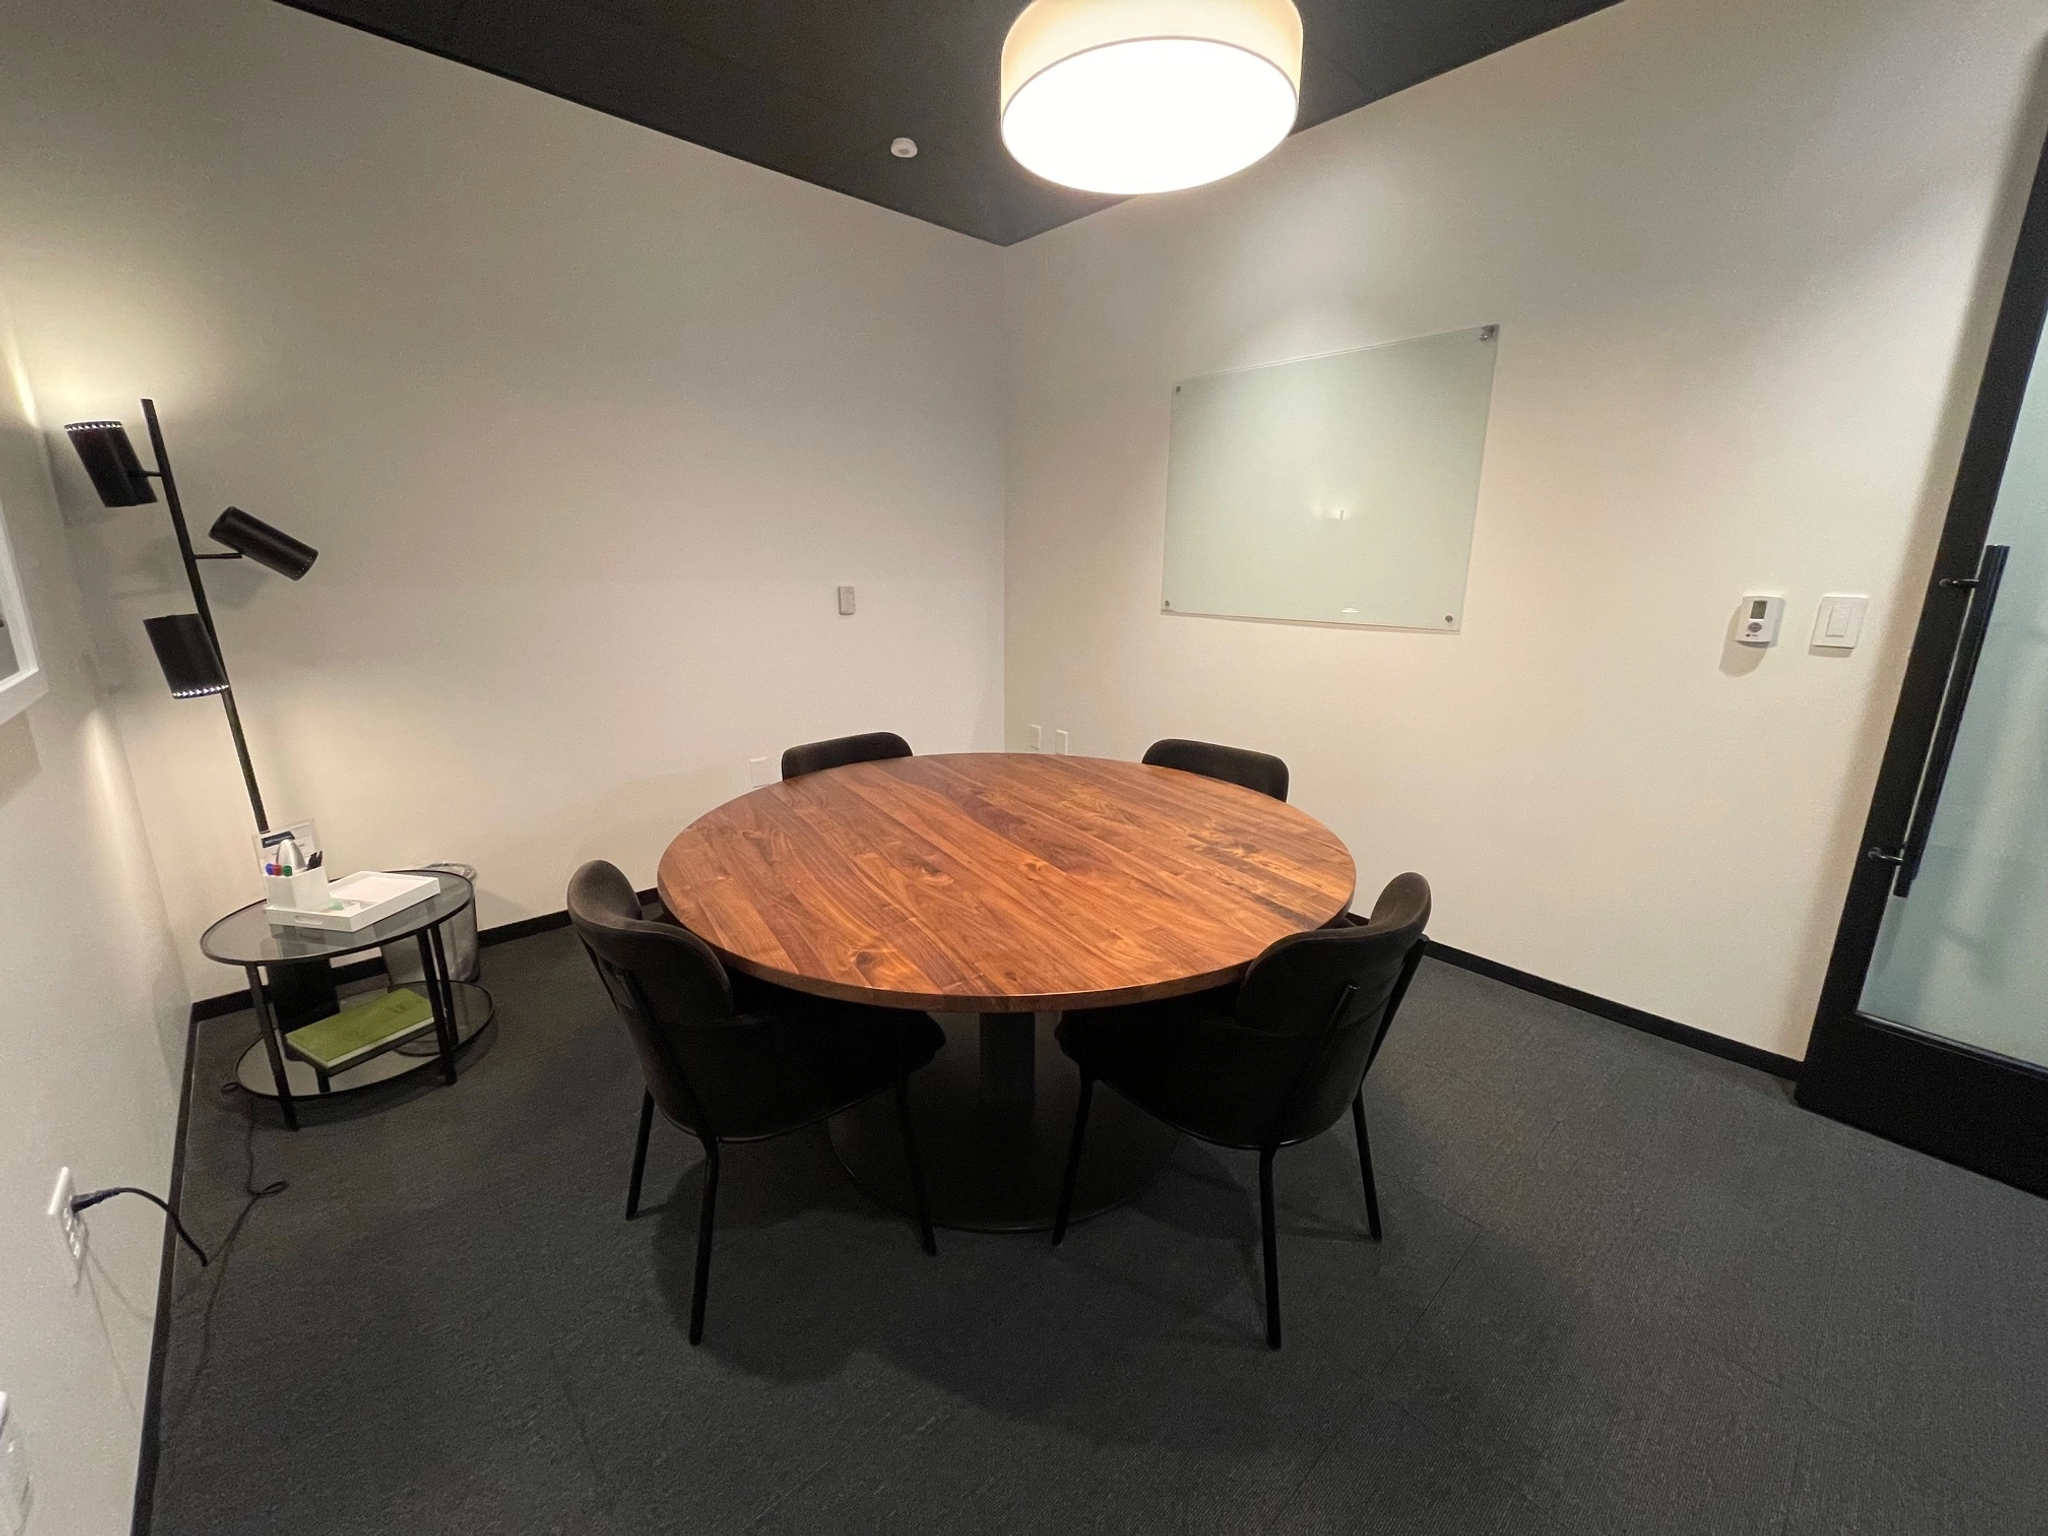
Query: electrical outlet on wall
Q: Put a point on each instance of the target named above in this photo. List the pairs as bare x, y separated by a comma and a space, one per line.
71, 1233
17, 1493
757, 772
1060, 742
1038, 738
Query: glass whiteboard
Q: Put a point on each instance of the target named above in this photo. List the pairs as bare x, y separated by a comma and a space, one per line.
1336, 490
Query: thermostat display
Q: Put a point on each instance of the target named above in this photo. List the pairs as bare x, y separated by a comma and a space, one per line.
1759, 619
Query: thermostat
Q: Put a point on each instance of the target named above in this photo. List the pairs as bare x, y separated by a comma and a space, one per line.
1759, 620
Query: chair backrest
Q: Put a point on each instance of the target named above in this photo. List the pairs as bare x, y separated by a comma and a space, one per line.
1234, 765
816, 756
1335, 990
665, 982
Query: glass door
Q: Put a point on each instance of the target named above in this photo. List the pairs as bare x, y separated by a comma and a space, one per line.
1933, 1025
1963, 951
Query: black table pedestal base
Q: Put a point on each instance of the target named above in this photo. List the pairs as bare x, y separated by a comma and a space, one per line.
994, 1115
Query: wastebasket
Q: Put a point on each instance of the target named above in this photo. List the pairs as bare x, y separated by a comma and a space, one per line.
458, 937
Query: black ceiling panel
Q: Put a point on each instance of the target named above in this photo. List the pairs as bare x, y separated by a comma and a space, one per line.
817, 88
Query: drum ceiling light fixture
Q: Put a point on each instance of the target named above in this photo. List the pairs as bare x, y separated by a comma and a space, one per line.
1128, 96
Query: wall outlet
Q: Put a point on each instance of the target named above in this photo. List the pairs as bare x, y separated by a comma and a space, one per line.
1060, 743
757, 772
70, 1227
1038, 738
17, 1492
846, 602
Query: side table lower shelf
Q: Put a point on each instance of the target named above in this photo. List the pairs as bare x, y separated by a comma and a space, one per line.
474, 1008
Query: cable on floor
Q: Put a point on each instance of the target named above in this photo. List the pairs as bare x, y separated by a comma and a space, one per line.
91, 1198
257, 1194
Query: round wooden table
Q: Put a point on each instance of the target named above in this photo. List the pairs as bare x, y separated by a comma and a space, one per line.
1012, 886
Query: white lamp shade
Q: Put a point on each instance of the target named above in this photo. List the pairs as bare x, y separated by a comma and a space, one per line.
1127, 96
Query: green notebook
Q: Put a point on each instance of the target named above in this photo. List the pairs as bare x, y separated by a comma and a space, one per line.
360, 1027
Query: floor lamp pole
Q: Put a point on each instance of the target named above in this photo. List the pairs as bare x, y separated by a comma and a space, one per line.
227, 697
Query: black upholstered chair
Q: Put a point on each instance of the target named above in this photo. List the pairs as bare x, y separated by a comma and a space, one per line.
816, 756
1267, 1063
729, 1058
1234, 765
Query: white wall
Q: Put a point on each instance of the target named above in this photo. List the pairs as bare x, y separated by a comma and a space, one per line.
92, 1034
586, 422
1734, 251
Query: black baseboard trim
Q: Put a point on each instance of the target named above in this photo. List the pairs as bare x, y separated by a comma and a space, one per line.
525, 928
362, 970
1621, 1013
149, 1448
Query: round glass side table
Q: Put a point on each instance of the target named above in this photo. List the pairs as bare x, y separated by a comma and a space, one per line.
460, 1009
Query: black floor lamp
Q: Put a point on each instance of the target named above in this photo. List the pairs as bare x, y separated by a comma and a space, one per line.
187, 645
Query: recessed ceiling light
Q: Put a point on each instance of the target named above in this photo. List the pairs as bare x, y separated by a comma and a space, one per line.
1128, 96
903, 149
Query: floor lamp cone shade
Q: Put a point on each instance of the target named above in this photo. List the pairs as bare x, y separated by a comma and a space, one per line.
185, 651
1131, 96
271, 548
109, 459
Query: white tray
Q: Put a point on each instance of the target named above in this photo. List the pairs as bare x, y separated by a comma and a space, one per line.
358, 900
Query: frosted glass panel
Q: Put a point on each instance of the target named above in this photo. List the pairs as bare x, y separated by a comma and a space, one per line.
1337, 489
1965, 956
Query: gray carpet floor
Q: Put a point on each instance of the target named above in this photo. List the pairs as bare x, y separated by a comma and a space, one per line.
1625, 1287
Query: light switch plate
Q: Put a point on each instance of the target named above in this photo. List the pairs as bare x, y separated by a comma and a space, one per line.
846, 601
1838, 626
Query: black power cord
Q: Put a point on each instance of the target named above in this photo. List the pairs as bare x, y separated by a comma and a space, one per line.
87, 1201
174, 1412
250, 1187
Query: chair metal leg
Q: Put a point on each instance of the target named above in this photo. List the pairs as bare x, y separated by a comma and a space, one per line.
704, 1239
1372, 1194
924, 1209
1272, 1249
640, 1155
1059, 1220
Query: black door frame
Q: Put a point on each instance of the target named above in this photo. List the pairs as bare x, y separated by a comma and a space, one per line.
1973, 1107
